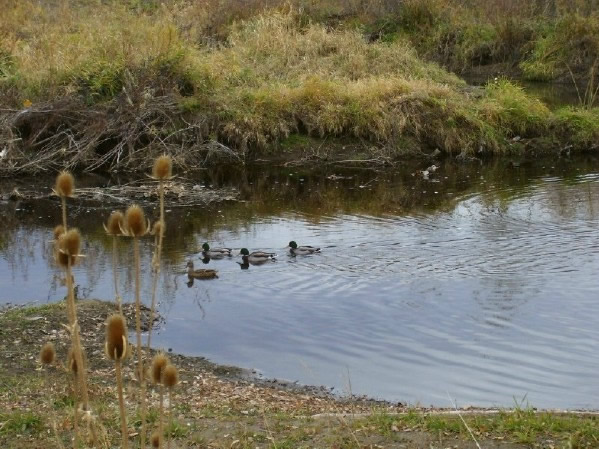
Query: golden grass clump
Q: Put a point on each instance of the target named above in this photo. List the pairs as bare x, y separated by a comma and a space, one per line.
163, 167
159, 362
170, 376
116, 346
115, 223
135, 222
65, 184
48, 353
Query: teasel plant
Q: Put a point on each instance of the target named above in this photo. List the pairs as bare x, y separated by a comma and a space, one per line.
159, 362
116, 348
161, 172
135, 225
170, 378
64, 188
68, 254
48, 358
72, 367
113, 228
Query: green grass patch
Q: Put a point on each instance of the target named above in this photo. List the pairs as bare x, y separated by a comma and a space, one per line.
20, 423
525, 426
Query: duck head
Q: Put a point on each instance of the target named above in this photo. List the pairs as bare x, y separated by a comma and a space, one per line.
292, 244
244, 252
206, 247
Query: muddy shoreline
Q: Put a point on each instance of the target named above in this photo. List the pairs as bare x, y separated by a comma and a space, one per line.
46, 320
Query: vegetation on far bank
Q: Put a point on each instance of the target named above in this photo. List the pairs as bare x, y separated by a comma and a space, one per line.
111, 84
225, 411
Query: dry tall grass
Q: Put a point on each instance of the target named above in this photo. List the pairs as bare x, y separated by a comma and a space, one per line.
105, 84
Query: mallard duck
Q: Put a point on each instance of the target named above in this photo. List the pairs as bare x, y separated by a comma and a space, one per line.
200, 274
257, 257
215, 253
295, 250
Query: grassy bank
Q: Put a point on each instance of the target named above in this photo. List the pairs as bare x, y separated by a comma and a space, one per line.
222, 410
111, 84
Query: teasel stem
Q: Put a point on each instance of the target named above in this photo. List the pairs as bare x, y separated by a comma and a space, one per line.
75, 337
156, 263
140, 364
76, 412
115, 274
160, 422
48, 357
63, 200
170, 416
119, 382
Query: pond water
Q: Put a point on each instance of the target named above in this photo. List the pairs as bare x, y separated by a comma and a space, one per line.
480, 283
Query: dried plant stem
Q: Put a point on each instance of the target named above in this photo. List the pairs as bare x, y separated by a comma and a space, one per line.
156, 263
77, 348
119, 382
58, 440
63, 200
140, 364
119, 301
75, 413
161, 420
170, 416
47, 381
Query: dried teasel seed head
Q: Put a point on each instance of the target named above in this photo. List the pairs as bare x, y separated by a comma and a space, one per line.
70, 242
156, 439
135, 221
65, 184
157, 228
159, 362
62, 259
163, 167
170, 376
116, 337
72, 361
58, 231
115, 223
48, 353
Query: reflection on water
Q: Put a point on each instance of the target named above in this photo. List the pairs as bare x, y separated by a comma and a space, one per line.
480, 282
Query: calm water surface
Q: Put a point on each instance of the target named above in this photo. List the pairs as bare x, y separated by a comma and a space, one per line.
480, 282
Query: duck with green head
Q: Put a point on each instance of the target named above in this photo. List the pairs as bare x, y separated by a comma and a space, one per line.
295, 250
256, 257
215, 253
201, 273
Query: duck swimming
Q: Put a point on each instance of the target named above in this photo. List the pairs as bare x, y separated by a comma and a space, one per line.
295, 250
200, 274
257, 257
215, 253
